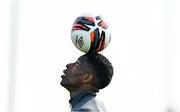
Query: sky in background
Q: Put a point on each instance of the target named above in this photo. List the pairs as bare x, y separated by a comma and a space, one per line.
35, 46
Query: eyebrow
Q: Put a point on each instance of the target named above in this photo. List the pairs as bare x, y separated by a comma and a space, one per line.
78, 61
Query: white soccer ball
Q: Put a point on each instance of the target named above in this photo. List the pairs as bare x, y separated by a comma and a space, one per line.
90, 33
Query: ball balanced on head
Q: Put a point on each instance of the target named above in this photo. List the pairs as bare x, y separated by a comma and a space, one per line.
90, 33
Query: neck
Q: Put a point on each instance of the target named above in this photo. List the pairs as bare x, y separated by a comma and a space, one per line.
77, 91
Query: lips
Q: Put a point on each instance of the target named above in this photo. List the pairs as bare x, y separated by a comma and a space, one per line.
63, 76
65, 73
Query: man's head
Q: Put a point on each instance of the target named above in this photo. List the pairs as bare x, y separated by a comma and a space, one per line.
90, 71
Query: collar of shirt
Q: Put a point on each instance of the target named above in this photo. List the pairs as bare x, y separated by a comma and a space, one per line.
81, 96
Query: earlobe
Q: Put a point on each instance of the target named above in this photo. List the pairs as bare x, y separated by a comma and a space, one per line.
88, 78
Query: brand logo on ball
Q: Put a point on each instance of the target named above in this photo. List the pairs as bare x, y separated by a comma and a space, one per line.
79, 41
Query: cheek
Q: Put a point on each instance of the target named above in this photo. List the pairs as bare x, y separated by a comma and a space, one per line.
71, 82
75, 81
74, 78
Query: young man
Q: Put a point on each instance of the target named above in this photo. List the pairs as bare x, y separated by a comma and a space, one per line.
84, 78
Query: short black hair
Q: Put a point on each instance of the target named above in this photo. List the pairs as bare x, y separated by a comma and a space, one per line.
102, 69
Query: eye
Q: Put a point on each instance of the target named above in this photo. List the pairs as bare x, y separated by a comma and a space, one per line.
76, 64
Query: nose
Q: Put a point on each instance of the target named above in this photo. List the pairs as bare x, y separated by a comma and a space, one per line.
70, 65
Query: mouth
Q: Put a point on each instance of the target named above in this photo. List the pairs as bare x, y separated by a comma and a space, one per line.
64, 75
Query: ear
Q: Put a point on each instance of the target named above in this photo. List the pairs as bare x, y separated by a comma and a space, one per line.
88, 78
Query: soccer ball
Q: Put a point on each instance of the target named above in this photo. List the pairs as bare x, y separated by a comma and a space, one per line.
90, 33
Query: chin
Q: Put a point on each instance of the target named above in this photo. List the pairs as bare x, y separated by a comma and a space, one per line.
62, 84
65, 86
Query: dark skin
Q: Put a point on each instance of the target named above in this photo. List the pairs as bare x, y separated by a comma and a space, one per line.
77, 77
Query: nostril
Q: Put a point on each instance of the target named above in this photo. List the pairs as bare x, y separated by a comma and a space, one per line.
67, 66
70, 65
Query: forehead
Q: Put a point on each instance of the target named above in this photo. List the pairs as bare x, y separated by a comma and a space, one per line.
83, 63
83, 59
